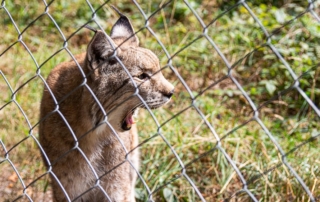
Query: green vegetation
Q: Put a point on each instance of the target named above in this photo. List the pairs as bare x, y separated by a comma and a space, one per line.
263, 76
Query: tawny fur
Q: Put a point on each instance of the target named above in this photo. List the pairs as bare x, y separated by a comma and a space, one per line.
74, 129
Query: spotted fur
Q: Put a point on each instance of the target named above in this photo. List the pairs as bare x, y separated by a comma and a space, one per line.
80, 142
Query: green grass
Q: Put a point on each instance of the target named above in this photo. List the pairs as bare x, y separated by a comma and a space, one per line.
288, 117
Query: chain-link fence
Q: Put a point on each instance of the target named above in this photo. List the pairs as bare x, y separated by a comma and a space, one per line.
243, 123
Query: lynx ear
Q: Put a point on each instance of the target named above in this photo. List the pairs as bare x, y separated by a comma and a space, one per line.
100, 48
122, 32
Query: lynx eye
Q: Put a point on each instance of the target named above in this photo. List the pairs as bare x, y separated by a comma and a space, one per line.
143, 76
112, 61
100, 59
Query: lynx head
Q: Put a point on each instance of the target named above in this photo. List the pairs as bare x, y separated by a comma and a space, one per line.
111, 60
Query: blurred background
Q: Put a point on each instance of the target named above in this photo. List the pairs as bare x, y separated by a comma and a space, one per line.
245, 74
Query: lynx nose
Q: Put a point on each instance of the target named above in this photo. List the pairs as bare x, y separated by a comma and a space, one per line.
169, 94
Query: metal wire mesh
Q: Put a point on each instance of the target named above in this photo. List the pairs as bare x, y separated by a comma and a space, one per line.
184, 164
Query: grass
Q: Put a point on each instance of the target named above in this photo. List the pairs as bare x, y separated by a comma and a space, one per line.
286, 114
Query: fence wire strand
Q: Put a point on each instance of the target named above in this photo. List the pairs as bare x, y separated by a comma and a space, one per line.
229, 66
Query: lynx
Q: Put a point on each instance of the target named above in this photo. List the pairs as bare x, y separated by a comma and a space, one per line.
87, 128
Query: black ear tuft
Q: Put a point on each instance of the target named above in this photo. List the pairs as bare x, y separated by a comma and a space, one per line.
115, 8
